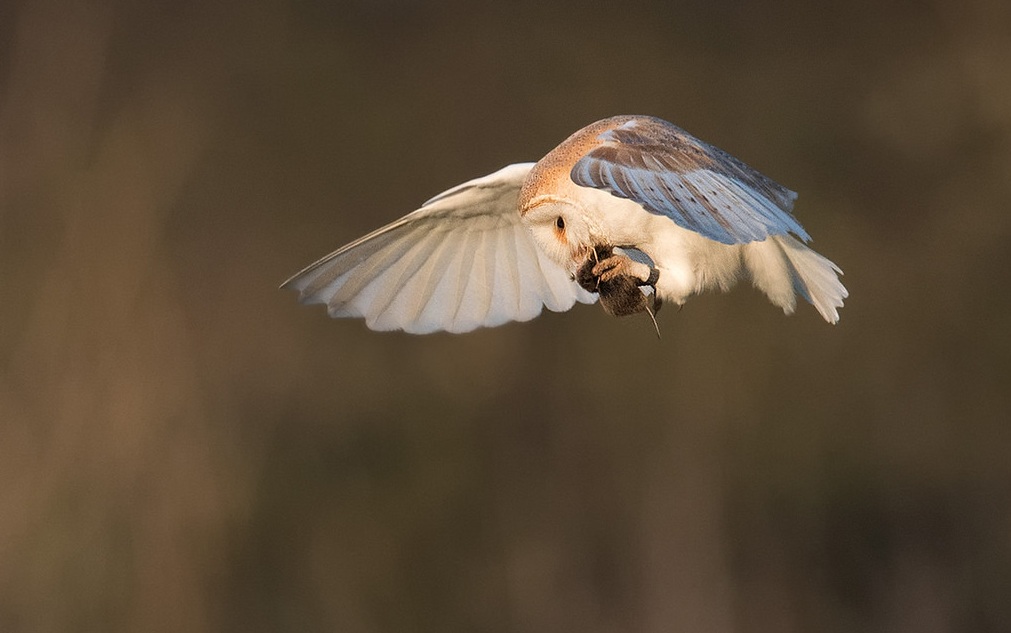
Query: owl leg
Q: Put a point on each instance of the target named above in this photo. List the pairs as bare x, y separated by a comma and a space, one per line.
617, 280
613, 266
620, 278
602, 265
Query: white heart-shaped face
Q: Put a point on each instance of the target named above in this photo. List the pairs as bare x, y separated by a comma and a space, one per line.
560, 229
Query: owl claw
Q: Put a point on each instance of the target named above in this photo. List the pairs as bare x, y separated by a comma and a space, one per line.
614, 266
602, 265
617, 280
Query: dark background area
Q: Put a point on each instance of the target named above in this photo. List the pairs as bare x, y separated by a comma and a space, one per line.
184, 448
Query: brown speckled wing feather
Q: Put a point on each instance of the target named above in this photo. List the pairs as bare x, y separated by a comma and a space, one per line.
698, 186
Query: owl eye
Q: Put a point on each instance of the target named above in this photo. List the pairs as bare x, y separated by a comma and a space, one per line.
560, 223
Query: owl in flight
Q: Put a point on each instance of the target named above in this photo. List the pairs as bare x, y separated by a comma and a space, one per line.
630, 210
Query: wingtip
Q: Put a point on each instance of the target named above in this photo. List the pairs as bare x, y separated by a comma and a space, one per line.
288, 284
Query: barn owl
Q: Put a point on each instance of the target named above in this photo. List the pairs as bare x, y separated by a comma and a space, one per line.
631, 210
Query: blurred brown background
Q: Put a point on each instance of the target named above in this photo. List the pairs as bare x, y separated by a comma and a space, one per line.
184, 448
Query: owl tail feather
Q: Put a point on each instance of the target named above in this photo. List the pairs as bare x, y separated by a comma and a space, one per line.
782, 265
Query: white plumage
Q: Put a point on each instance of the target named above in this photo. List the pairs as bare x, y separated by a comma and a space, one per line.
464, 260
501, 247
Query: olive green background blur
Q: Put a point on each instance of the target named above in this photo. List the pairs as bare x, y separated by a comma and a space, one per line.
184, 448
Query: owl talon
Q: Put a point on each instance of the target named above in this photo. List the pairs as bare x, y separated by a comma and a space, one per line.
654, 276
612, 267
617, 280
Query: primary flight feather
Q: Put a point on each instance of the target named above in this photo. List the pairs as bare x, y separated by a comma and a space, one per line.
629, 198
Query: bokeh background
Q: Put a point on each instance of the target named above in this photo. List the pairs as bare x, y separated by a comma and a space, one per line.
184, 448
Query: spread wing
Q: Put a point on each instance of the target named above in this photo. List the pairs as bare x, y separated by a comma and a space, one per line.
700, 187
463, 260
